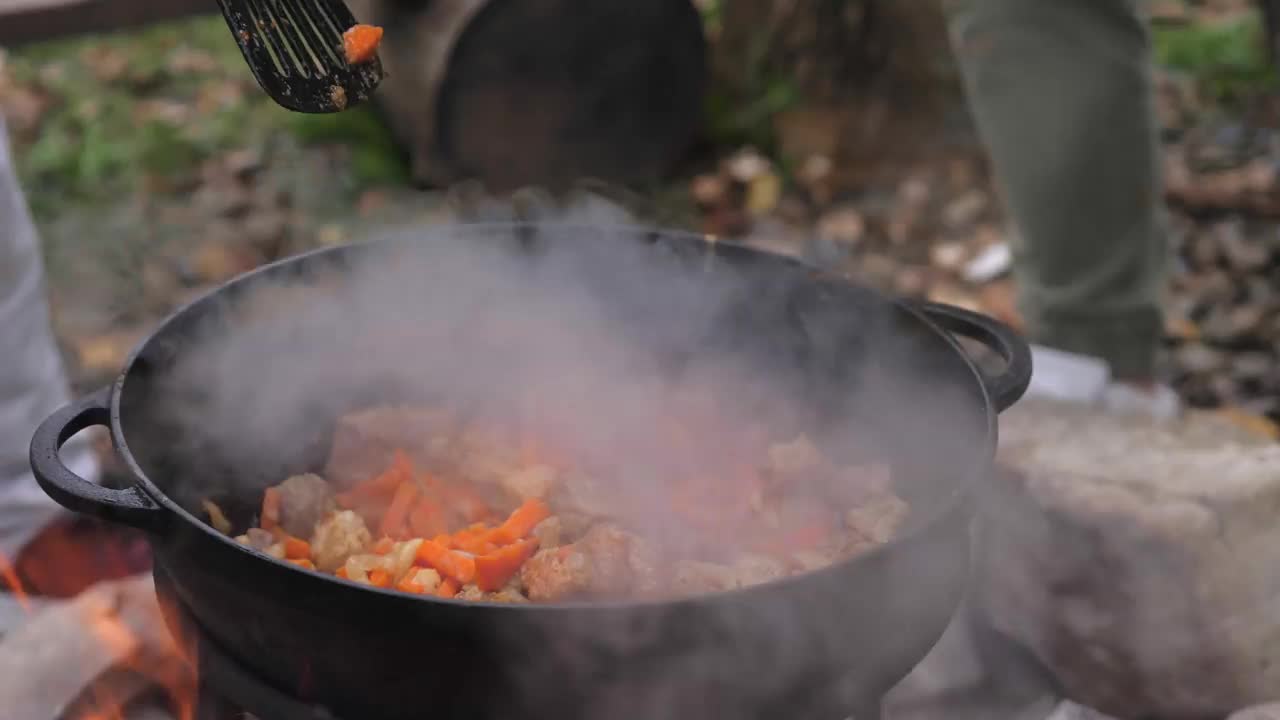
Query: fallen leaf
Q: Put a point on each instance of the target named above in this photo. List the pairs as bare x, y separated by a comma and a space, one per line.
1256, 424
763, 193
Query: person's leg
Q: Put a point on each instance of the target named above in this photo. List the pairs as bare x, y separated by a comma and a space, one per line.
49, 551
32, 379
1061, 93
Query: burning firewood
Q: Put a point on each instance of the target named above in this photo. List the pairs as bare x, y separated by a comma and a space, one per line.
58, 660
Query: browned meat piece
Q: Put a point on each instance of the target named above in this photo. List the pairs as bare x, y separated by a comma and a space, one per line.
573, 525
756, 569
879, 519
608, 550
694, 578
337, 538
859, 484
505, 595
548, 532
555, 574
257, 538
304, 501
365, 441
580, 493
810, 560
534, 482
794, 458
643, 558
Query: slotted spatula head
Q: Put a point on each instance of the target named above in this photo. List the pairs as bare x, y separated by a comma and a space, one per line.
295, 50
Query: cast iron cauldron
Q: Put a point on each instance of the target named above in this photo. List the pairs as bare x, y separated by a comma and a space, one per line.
825, 644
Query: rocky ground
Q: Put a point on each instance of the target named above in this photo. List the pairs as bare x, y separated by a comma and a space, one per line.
157, 169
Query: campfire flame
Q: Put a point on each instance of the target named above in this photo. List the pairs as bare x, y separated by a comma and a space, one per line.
116, 640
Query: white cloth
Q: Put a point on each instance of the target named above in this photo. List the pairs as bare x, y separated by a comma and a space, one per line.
33, 382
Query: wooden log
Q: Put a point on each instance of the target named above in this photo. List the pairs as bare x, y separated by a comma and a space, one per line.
520, 93
27, 21
48, 662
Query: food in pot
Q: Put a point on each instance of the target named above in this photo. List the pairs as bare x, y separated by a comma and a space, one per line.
415, 500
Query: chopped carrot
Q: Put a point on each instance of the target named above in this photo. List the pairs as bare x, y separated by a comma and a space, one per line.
427, 519
270, 509
360, 43
303, 563
496, 568
384, 546
397, 514
450, 563
379, 578
409, 586
475, 545
384, 483
445, 541
296, 548
448, 588
522, 521
341, 572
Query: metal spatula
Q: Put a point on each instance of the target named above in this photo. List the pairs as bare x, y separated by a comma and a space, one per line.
295, 50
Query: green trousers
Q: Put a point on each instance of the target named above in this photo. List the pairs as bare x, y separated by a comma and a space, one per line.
1061, 93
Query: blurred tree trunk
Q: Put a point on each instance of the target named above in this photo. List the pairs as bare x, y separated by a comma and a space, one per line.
862, 82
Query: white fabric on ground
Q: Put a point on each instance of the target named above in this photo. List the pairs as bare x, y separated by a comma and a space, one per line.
32, 378
1069, 377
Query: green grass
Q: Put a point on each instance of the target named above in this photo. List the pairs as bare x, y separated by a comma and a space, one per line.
1228, 59
97, 142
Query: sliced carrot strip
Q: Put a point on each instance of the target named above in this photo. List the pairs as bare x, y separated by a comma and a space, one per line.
360, 43
270, 509
303, 562
341, 572
385, 483
297, 548
397, 514
379, 578
448, 588
427, 519
522, 521
450, 563
496, 568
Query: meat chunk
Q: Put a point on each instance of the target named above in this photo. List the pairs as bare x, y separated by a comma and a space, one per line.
337, 538
504, 595
548, 532
859, 484
555, 574
878, 520
756, 569
608, 550
530, 483
580, 493
304, 500
645, 564
795, 457
257, 538
694, 577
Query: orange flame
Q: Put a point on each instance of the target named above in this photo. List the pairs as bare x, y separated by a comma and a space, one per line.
130, 630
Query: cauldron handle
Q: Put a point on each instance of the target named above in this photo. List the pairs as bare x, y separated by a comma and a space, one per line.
130, 506
1006, 388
